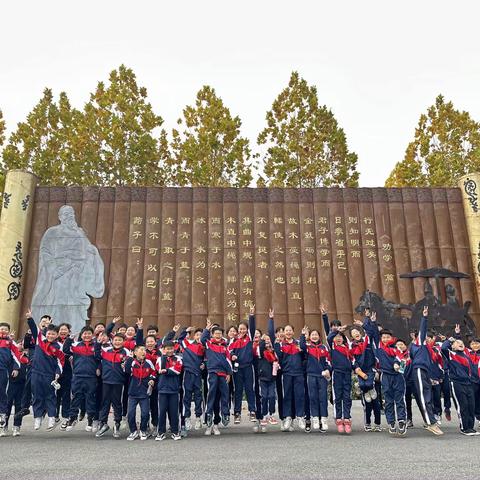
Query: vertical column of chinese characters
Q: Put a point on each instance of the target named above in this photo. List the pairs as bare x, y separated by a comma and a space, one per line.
277, 255
383, 232
326, 291
263, 290
308, 259
184, 257
353, 245
368, 240
135, 262
215, 256
168, 252
151, 273
231, 296
293, 267
200, 256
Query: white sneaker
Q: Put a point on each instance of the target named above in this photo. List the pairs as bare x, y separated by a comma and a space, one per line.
124, 423
208, 431
37, 423
315, 423
52, 423
144, 435
16, 431
188, 424
256, 427
373, 394
133, 436
367, 396
95, 425
3, 420
301, 423
287, 424
215, 429
324, 423
198, 423
3, 431
176, 436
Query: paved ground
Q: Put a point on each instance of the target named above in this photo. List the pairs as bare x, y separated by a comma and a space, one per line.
240, 454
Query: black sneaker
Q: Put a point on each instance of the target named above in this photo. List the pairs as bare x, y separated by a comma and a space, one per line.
237, 418
225, 420
391, 429
209, 421
367, 427
402, 427
81, 416
253, 417
409, 423
308, 426
104, 428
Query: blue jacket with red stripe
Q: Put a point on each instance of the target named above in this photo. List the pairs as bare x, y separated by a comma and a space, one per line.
341, 356
140, 373
474, 358
290, 356
362, 351
9, 355
318, 357
113, 364
86, 358
169, 369
193, 354
217, 355
242, 347
459, 365
48, 359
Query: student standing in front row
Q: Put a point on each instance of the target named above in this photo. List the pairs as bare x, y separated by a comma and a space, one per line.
169, 366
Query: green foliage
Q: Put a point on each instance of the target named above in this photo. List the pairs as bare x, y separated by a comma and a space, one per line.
306, 147
446, 146
209, 151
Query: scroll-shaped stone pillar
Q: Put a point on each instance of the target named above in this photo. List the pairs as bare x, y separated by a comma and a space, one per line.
15, 223
470, 187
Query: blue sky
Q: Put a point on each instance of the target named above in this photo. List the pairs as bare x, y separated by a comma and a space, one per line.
377, 64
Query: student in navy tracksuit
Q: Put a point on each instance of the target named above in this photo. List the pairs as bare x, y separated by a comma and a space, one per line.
152, 354
473, 354
193, 364
342, 365
364, 367
460, 371
9, 366
290, 357
16, 385
169, 366
406, 366
389, 359
48, 362
422, 355
318, 371
86, 360
142, 379
219, 368
241, 354
64, 393
113, 358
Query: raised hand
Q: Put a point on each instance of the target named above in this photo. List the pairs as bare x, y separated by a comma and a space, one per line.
367, 312
305, 330
425, 311
209, 324
139, 323
373, 316
323, 309
29, 313
176, 328
457, 328
357, 322
116, 319
252, 309
270, 313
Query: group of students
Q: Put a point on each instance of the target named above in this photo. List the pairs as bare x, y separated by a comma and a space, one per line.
119, 367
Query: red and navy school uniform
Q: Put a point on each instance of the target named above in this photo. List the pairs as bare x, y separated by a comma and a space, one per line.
193, 360
290, 356
243, 376
47, 362
15, 390
460, 371
168, 370
217, 358
317, 361
86, 360
474, 357
9, 361
64, 393
153, 355
342, 365
393, 382
266, 378
139, 392
113, 380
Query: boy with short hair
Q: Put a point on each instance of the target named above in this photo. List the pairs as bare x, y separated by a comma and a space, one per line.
169, 366
113, 380
219, 369
64, 393
48, 362
473, 354
142, 379
193, 364
9, 365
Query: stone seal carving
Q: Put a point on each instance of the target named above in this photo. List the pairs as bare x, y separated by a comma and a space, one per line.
70, 271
